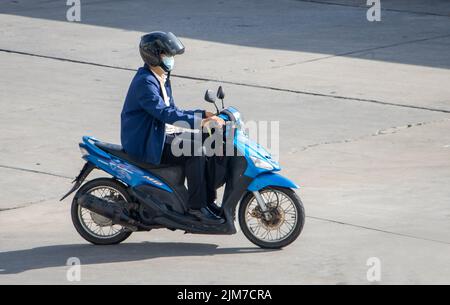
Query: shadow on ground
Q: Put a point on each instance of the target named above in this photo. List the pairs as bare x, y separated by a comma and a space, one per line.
13, 262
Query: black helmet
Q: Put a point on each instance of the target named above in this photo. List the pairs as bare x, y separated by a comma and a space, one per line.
156, 43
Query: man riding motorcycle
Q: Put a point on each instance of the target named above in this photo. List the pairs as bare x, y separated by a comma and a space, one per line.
149, 120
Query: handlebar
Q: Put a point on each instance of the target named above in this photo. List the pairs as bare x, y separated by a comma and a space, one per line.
224, 117
229, 114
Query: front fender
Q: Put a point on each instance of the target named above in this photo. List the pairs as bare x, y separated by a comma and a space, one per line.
270, 179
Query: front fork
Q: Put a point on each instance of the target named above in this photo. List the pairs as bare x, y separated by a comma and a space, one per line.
262, 204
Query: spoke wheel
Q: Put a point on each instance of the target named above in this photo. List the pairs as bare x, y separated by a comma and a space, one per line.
280, 226
95, 224
96, 228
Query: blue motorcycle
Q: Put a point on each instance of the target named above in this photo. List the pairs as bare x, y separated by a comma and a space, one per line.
142, 196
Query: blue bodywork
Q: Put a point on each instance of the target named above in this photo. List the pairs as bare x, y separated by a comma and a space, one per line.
119, 169
134, 176
270, 179
262, 177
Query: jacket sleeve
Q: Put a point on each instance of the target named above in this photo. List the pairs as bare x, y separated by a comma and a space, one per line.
153, 103
199, 112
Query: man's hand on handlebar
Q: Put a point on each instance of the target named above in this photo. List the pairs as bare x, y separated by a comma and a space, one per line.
213, 120
209, 114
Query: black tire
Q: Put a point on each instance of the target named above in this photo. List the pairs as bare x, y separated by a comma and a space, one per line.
248, 198
77, 222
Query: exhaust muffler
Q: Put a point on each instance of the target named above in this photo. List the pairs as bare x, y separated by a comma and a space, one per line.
111, 211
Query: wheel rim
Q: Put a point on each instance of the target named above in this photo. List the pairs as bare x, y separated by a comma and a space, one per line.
95, 224
284, 217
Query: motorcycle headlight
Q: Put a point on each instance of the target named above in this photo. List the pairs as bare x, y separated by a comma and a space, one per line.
261, 163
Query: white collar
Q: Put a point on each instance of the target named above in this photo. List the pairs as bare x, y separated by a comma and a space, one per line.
162, 79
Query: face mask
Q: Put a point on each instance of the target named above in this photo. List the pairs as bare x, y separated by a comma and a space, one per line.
169, 62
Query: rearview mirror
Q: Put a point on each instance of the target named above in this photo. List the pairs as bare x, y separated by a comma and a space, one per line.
220, 93
210, 97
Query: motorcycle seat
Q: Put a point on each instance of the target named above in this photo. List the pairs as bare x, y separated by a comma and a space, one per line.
117, 151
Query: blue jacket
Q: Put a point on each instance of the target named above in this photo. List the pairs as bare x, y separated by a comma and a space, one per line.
145, 114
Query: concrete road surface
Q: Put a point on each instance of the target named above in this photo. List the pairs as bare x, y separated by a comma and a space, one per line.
364, 112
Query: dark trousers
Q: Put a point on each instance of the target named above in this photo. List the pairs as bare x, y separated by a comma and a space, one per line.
200, 192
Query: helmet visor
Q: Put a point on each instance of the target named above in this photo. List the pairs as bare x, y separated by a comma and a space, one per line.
173, 45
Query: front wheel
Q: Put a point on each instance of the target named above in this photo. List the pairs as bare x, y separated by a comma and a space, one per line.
285, 223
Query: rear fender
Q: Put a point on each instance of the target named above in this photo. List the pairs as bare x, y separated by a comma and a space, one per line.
87, 169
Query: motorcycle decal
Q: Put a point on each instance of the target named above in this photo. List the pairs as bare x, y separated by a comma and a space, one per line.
154, 181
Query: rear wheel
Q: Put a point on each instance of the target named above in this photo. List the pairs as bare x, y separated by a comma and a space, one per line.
287, 217
93, 227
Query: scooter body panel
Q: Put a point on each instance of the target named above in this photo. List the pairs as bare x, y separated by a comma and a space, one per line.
121, 170
270, 179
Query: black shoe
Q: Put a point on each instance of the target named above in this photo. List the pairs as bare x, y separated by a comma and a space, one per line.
206, 216
215, 209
